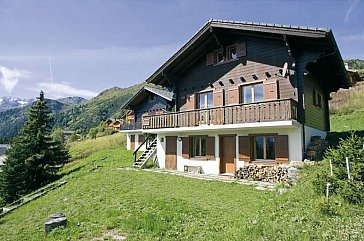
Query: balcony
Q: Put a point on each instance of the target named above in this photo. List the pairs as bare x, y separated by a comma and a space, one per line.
131, 126
277, 110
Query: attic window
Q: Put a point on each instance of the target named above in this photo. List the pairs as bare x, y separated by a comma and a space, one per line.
219, 57
232, 55
152, 98
317, 99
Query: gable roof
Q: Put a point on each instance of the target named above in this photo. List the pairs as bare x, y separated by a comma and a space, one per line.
141, 94
288, 31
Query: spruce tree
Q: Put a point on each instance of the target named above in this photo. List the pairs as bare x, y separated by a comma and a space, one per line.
34, 157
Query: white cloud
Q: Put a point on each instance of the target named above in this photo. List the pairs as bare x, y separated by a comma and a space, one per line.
350, 10
9, 78
58, 90
356, 37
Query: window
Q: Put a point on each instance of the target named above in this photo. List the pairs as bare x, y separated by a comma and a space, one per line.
264, 148
152, 98
252, 93
198, 146
205, 100
317, 99
232, 55
219, 57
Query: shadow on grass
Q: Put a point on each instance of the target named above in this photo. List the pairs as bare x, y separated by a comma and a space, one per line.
334, 137
59, 176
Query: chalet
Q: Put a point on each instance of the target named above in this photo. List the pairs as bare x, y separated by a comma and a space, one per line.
114, 123
236, 94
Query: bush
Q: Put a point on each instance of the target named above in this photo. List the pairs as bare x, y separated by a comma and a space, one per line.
353, 190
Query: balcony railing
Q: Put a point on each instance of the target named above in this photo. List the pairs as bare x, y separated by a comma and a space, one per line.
277, 110
131, 126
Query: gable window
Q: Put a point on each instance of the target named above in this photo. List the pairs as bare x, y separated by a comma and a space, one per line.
205, 100
252, 93
152, 98
231, 52
198, 146
219, 57
317, 99
264, 148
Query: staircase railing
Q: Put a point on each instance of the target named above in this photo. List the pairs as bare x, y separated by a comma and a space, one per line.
146, 141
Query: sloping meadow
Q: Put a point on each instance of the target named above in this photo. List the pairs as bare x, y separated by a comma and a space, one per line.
105, 198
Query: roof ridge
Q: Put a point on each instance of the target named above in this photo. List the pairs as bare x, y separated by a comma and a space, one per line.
270, 25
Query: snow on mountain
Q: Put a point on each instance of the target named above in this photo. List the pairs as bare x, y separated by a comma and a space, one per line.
9, 102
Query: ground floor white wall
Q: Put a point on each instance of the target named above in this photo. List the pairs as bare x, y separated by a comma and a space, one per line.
136, 142
212, 166
310, 132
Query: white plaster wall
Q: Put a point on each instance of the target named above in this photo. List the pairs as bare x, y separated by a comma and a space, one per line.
208, 167
161, 151
128, 145
309, 132
212, 166
294, 141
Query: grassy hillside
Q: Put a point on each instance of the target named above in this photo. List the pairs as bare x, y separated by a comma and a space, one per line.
73, 113
104, 198
347, 109
89, 114
11, 121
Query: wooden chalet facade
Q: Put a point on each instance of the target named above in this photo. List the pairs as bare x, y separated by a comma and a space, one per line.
240, 93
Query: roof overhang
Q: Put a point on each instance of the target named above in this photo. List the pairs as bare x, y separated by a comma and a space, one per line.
144, 92
319, 37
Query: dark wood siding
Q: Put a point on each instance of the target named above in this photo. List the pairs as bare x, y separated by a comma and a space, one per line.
262, 55
315, 116
150, 107
244, 148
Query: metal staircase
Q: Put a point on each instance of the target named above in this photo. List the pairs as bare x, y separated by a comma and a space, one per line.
148, 154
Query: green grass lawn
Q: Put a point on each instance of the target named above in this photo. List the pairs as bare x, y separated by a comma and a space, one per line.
347, 122
154, 206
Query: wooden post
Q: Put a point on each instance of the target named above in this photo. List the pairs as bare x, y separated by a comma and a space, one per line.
331, 172
327, 191
348, 167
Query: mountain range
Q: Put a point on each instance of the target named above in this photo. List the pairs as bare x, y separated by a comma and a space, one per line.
8, 102
72, 113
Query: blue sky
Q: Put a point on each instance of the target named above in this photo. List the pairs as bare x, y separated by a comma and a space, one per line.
95, 45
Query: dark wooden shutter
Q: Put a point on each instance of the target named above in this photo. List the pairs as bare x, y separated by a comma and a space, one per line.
281, 143
190, 100
218, 98
141, 139
270, 90
314, 97
241, 49
244, 148
233, 96
210, 148
186, 147
210, 58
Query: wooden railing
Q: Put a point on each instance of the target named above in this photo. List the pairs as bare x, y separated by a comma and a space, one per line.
277, 110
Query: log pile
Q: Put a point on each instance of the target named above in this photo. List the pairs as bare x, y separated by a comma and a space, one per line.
273, 174
316, 148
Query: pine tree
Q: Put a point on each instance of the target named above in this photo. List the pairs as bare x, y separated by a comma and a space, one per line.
34, 157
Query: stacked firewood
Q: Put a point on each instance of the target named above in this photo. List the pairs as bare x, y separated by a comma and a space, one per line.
274, 174
316, 148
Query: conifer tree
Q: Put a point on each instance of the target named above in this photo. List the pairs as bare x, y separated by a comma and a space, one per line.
34, 157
